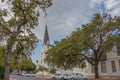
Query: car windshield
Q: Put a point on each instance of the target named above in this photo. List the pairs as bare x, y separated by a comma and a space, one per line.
67, 74
27, 73
57, 74
77, 74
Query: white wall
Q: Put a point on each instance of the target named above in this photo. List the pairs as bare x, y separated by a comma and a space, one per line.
111, 56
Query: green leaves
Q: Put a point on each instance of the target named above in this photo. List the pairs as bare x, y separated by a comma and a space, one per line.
2, 62
42, 68
62, 55
44, 4
24, 64
52, 71
17, 32
90, 42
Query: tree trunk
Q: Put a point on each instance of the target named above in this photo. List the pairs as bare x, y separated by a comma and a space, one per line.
96, 70
7, 66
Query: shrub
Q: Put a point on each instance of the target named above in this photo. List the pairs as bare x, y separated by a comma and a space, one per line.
1, 72
52, 71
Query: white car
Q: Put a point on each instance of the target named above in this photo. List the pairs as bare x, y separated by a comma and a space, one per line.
57, 76
28, 74
74, 76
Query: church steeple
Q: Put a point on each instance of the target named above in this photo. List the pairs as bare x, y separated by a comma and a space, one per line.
46, 37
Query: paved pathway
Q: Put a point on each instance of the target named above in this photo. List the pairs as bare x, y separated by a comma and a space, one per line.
16, 77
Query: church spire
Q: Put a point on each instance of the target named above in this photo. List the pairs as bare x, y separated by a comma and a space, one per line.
46, 36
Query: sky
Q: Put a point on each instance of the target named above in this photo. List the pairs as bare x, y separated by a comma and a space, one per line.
64, 16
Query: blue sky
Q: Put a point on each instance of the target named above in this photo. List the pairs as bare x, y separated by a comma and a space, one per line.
65, 15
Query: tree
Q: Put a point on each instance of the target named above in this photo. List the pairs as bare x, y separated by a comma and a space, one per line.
17, 32
37, 62
24, 65
97, 38
42, 69
1, 70
61, 55
2, 64
91, 42
82, 65
52, 71
30, 65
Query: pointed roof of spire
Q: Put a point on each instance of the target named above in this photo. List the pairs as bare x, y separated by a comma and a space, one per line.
46, 36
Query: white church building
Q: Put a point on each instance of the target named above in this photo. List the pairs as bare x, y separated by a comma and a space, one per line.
109, 66
44, 48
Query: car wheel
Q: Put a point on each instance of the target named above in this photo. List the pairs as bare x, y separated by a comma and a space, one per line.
72, 79
85, 79
62, 78
53, 78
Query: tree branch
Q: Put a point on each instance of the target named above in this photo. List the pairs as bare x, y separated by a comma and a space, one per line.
89, 45
90, 60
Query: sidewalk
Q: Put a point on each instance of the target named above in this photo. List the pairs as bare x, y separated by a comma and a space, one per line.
107, 78
12, 79
43, 76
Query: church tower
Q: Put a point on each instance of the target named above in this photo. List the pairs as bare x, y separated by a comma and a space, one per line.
44, 49
46, 37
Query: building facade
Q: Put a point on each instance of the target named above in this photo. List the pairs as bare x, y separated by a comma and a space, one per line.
108, 67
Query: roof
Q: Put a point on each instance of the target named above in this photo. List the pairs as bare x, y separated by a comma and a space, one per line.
46, 36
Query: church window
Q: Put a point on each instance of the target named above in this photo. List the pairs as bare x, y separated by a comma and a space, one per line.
41, 61
119, 64
103, 67
92, 67
113, 66
118, 50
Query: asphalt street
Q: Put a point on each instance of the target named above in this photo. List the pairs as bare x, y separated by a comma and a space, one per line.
18, 77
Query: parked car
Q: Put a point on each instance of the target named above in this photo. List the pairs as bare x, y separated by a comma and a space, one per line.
79, 76
28, 74
57, 76
14, 73
67, 76
74, 76
70, 76
18, 74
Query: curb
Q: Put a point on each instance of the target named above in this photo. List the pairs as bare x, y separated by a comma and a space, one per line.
12, 79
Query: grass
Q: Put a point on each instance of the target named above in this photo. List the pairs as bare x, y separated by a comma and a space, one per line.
107, 78
43, 76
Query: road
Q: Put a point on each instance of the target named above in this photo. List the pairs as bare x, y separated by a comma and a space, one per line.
18, 77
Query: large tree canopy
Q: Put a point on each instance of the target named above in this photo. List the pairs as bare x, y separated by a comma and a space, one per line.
90, 42
16, 27
62, 54
98, 37
24, 64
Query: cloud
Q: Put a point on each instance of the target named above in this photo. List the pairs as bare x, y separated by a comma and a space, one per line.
93, 3
111, 6
63, 17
